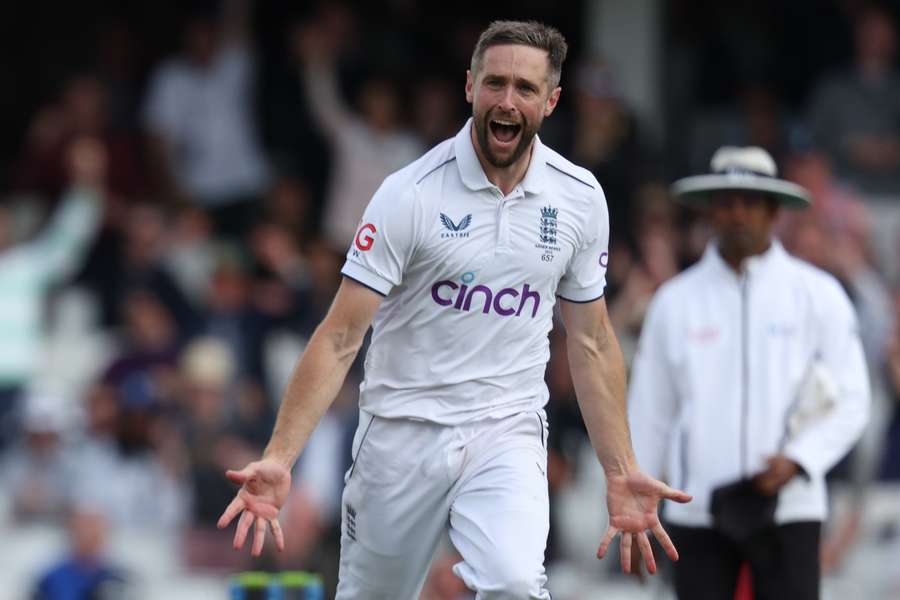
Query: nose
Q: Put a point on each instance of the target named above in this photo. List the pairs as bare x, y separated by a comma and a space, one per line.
506, 103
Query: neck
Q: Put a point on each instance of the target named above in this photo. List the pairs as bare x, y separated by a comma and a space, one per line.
505, 178
735, 257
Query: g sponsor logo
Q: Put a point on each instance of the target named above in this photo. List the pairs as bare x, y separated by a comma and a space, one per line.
363, 239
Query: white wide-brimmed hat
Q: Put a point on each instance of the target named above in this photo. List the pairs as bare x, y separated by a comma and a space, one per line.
734, 168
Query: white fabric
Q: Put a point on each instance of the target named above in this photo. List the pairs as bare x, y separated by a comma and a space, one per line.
720, 363
206, 118
26, 273
470, 283
410, 480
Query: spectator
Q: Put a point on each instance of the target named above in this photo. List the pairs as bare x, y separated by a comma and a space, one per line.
82, 112
85, 574
37, 472
144, 371
855, 115
835, 236
789, 395
290, 204
231, 317
366, 146
605, 139
129, 462
134, 257
199, 117
437, 110
29, 269
190, 253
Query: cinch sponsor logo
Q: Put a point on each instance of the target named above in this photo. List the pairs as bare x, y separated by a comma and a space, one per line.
507, 302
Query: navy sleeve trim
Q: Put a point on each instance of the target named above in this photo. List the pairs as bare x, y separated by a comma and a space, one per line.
550, 164
579, 301
365, 285
422, 178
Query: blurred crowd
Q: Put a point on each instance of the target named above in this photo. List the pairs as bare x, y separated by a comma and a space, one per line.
168, 243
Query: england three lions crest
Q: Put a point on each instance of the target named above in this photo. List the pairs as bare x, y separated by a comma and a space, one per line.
547, 232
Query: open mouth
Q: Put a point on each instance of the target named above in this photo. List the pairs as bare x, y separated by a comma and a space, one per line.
504, 131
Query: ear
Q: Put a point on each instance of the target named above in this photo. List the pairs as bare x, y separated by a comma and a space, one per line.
552, 100
470, 86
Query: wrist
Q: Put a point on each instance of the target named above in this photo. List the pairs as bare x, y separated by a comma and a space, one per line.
284, 459
621, 467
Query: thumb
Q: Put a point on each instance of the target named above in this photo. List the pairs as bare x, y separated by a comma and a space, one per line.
676, 495
239, 477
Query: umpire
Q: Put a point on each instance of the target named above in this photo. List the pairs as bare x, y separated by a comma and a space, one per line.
749, 384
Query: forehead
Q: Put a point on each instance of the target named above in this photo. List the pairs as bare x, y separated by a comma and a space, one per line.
753, 196
515, 60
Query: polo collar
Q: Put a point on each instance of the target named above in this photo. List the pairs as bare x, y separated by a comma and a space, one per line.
473, 175
752, 265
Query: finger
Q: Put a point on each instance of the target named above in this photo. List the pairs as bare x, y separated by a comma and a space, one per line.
259, 537
278, 533
243, 527
625, 552
233, 510
238, 477
646, 552
665, 541
607, 540
261, 509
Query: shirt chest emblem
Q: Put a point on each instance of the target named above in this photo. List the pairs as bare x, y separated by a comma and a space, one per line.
548, 232
455, 229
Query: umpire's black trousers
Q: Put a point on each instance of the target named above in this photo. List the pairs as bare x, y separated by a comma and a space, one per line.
784, 562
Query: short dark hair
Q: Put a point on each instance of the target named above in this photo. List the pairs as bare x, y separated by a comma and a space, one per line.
524, 33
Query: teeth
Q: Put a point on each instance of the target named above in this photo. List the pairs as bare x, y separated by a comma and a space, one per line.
508, 123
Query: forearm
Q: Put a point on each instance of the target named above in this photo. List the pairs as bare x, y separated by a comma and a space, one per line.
323, 95
312, 388
598, 372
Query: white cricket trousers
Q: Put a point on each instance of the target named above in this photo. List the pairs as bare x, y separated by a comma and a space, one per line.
411, 480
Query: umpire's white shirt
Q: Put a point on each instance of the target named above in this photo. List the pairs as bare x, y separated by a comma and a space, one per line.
719, 363
470, 279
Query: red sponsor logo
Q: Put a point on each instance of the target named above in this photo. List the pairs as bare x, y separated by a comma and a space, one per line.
364, 240
704, 335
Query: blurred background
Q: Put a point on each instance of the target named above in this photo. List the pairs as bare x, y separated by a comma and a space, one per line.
178, 185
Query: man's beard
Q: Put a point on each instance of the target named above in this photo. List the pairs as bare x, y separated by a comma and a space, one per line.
482, 127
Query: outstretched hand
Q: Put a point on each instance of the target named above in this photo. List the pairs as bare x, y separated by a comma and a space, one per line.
265, 485
633, 501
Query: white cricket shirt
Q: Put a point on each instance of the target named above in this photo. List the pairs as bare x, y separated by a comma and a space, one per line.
471, 278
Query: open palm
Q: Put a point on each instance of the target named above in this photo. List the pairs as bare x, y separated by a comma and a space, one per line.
633, 502
265, 485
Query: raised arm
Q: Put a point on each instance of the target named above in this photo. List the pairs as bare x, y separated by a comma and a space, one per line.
598, 372
316, 55
61, 247
312, 388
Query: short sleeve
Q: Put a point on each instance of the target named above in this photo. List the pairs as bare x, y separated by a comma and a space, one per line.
384, 240
585, 277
